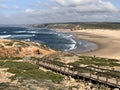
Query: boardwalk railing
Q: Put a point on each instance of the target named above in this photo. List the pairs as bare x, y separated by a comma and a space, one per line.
94, 74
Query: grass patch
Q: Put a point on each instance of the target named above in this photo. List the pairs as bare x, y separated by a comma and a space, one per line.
20, 65
11, 58
57, 59
9, 44
44, 46
86, 60
22, 44
1, 63
27, 70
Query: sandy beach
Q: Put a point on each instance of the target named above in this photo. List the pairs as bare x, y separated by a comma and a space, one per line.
107, 40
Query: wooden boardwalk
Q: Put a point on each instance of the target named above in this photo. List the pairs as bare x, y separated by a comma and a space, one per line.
96, 75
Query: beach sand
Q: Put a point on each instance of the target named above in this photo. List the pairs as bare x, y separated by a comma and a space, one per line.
107, 40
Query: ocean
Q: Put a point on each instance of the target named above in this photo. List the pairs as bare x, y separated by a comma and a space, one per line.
53, 39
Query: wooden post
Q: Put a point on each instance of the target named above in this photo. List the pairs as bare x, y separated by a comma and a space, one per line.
56, 69
78, 77
60, 69
50, 64
97, 76
64, 70
68, 68
90, 73
73, 72
43, 64
107, 79
117, 80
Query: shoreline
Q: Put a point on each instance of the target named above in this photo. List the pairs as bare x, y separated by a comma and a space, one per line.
81, 45
108, 42
92, 45
77, 39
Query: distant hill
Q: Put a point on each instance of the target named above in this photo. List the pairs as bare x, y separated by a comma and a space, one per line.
76, 26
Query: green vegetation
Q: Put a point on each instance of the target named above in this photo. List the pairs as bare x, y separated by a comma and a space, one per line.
34, 58
9, 44
20, 65
27, 70
77, 25
40, 45
96, 61
1, 63
100, 26
57, 59
22, 44
44, 46
11, 58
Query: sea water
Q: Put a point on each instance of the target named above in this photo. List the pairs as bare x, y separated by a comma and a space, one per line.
55, 40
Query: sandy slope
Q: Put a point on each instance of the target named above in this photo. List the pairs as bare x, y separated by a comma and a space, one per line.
16, 48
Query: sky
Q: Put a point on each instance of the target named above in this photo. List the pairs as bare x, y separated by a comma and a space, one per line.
52, 11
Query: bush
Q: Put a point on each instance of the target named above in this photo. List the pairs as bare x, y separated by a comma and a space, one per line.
1, 63
9, 44
20, 65
27, 70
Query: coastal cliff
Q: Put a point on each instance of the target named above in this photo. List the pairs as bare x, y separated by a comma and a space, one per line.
16, 48
78, 26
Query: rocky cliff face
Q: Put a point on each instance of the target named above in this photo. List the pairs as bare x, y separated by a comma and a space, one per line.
12, 48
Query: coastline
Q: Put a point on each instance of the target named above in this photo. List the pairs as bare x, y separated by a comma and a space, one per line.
90, 45
80, 45
108, 42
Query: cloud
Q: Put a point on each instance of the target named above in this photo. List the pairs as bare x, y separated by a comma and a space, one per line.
72, 2
29, 10
87, 5
63, 11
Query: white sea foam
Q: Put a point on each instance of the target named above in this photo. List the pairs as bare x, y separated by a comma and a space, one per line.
26, 32
20, 31
32, 32
46, 32
73, 41
27, 40
80, 43
4, 32
4, 36
66, 36
71, 46
22, 36
30, 28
